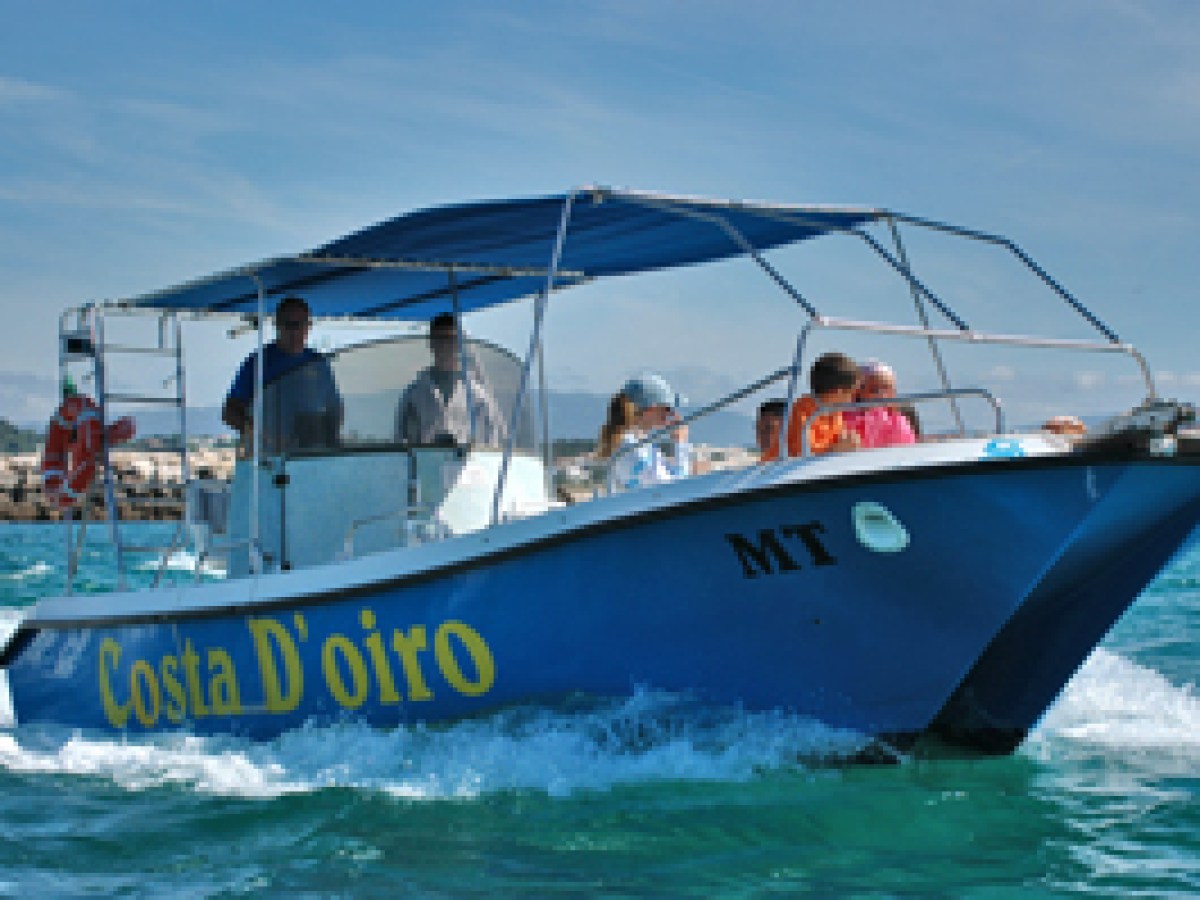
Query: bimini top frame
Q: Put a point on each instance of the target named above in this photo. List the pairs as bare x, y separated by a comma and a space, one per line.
471, 256
479, 254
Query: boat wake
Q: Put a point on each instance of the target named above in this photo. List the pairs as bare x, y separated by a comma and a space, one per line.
1116, 704
9, 620
38, 569
1113, 706
183, 561
648, 737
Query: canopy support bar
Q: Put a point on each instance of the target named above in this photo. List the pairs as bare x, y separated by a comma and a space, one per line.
256, 560
737, 237
913, 283
462, 349
1024, 258
535, 340
934, 351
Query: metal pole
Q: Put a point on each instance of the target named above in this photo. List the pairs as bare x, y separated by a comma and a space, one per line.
732, 233
256, 562
62, 380
462, 351
934, 350
1025, 259
539, 309
110, 494
181, 368
791, 394
68, 519
185, 473
547, 455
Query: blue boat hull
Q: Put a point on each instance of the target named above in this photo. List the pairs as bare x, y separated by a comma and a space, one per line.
771, 599
1113, 557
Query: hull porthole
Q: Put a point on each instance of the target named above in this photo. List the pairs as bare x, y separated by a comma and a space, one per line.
878, 529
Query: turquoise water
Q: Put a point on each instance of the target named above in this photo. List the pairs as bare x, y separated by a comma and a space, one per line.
648, 797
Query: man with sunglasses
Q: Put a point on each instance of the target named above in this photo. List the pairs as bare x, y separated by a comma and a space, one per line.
301, 404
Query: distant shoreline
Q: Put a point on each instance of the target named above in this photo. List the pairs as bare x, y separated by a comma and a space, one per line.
149, 485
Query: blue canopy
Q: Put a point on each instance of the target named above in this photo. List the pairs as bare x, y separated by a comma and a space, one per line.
492, 252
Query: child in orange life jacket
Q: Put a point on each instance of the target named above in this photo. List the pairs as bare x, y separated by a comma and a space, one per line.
832, 379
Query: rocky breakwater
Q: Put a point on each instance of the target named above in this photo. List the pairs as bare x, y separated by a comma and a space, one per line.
149, 485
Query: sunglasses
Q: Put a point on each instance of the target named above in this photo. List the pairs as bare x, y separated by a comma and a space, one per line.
294, 324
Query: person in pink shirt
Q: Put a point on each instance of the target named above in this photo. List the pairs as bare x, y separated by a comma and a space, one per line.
879, 426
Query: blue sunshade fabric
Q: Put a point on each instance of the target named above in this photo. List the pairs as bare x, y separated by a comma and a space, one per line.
495, 251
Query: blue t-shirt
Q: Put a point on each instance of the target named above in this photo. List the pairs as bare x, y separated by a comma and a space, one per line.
302, 407
275, 364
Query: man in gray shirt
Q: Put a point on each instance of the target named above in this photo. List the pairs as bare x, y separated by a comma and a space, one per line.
438, 407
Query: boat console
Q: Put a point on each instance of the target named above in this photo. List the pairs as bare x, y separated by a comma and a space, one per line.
337, 478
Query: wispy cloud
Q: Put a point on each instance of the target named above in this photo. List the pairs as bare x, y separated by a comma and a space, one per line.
81, 194
130, 153
14, 91
179, 119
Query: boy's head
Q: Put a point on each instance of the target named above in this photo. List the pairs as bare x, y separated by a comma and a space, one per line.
833, 378
768, 423
877, 380
443, 342
293, 319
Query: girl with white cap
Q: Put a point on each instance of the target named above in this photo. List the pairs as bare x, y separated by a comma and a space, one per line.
644, 404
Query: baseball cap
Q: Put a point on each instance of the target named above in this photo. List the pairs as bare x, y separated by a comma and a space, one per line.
649, 389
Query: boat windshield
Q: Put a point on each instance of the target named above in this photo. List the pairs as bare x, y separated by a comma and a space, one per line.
390, 392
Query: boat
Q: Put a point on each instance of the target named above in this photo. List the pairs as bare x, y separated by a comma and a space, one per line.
940, 593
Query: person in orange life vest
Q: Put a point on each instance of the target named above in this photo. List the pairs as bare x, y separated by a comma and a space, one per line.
832, 379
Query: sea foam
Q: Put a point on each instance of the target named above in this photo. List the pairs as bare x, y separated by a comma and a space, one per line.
182, 561
9, 620
648, 737
1115, 703
37, 570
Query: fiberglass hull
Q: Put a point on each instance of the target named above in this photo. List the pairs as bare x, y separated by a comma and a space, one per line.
769, 597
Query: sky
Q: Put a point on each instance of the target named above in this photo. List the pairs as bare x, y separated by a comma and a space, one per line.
143, 144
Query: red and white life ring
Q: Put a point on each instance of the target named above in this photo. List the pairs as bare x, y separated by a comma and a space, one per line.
74, 440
